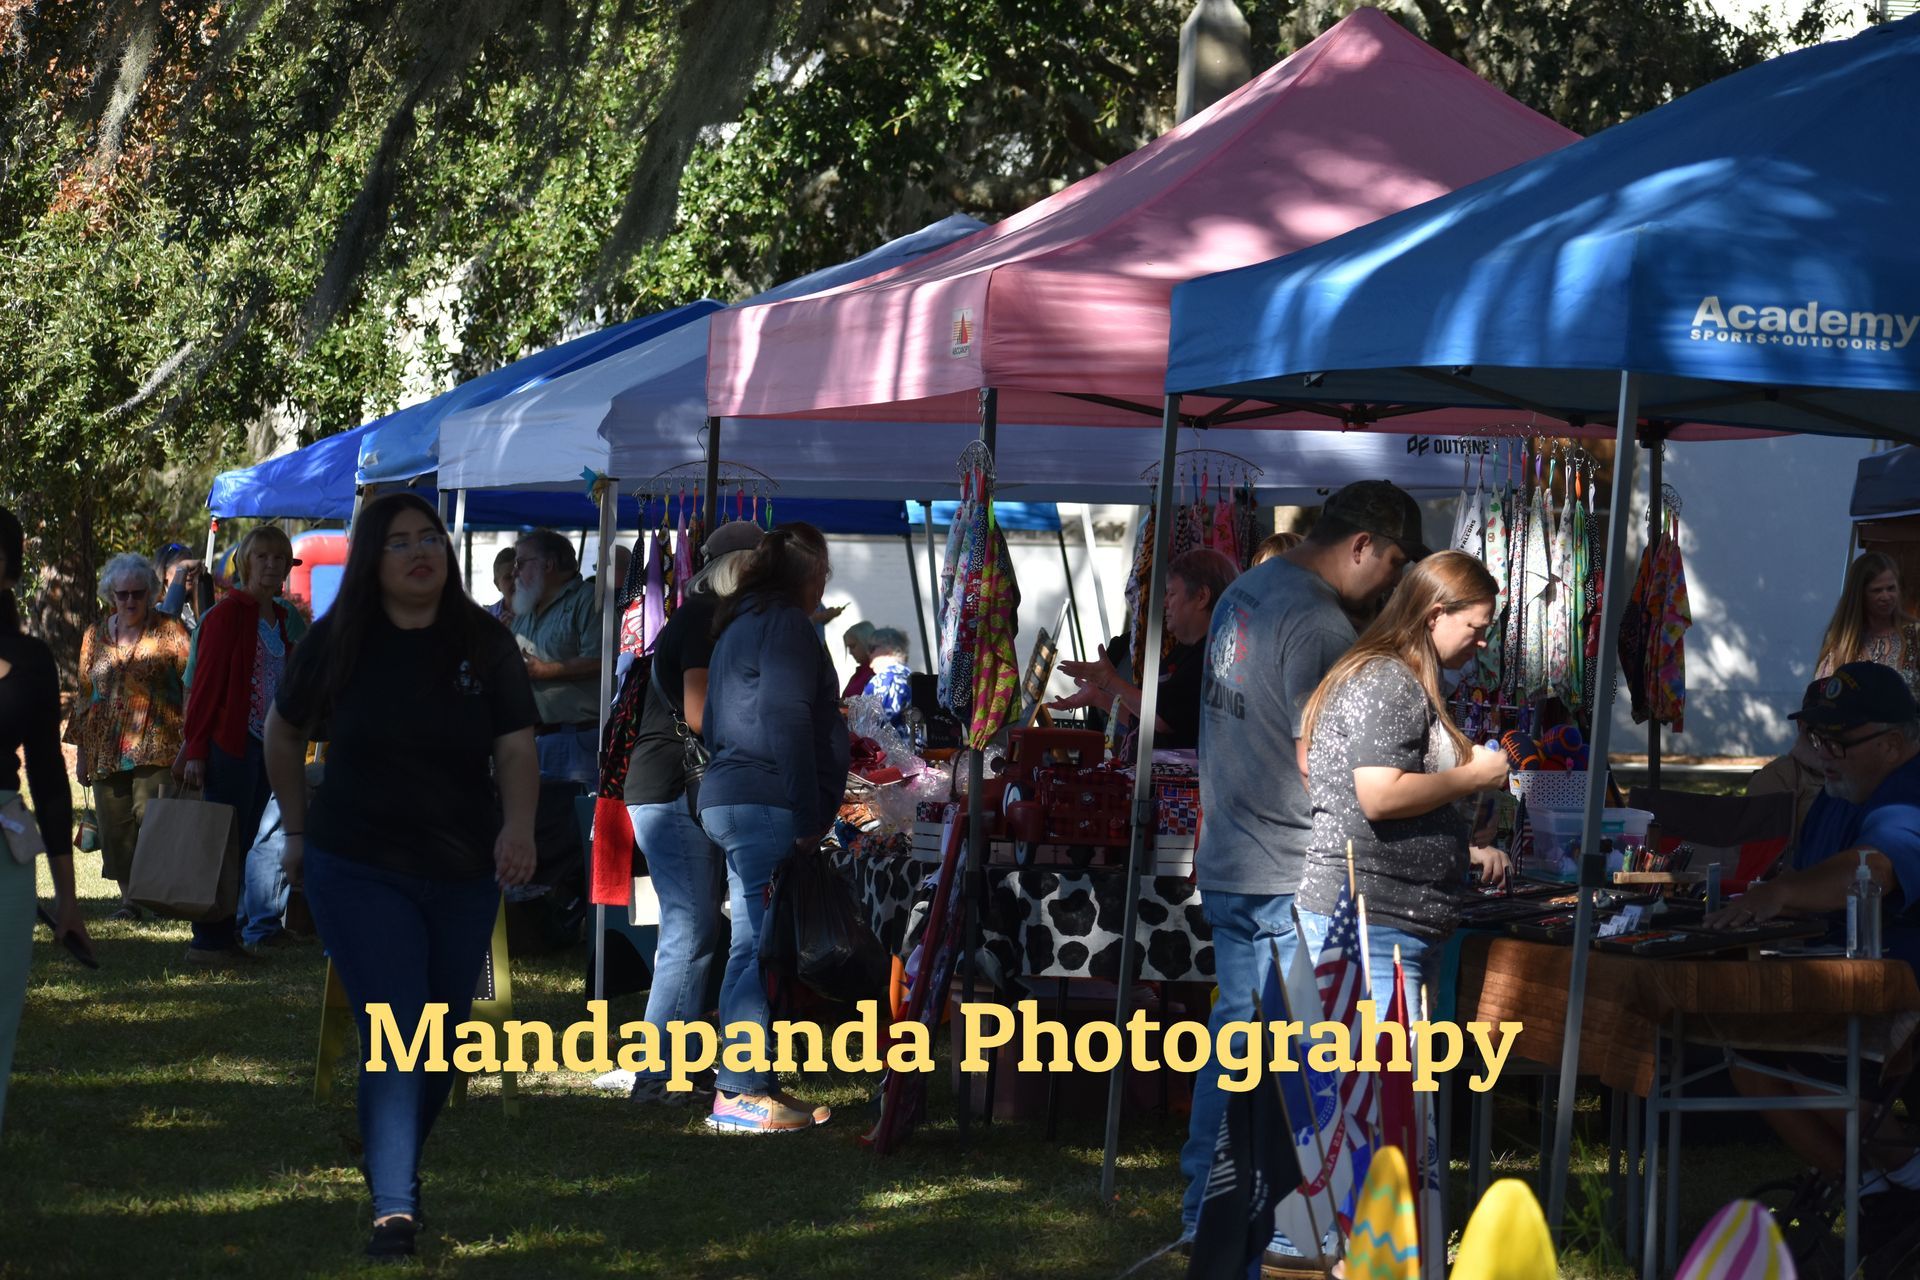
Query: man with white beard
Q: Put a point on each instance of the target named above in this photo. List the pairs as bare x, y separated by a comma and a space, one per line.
559, 633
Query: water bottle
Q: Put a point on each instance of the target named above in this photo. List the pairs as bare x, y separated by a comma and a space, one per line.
1863, 913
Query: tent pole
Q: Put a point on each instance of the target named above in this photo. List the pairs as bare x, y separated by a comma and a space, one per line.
1093, 567
712, 513
1656, 454
919, 609
1614, 591
213, 531
1140, 849
353, 516
606, 597
973, 888
453, 537
1073, 596
933, 578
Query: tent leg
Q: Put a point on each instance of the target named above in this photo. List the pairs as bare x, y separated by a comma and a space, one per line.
1656, 454
213, 531
933, 579
713, 474
919, 609
973, 888
1140, 849
1073, 597
607, 598
453, 537
1612, 603
1093, 567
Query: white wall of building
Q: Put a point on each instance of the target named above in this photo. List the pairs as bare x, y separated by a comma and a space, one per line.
1765, 534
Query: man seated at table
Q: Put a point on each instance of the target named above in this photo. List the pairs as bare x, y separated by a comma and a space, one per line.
1864, 726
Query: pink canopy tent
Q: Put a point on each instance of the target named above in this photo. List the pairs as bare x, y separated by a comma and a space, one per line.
1063, 308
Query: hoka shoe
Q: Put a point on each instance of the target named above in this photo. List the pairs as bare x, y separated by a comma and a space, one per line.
756, 1113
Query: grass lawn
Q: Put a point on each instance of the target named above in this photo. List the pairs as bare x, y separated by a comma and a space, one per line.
161, 1122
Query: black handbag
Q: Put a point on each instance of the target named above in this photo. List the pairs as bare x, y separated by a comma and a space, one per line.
815, 935
694, 756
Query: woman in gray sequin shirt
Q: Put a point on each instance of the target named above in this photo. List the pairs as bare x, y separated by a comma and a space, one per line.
1389, 772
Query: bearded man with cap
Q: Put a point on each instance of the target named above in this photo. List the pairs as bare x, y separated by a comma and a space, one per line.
1864, 727
1275, 632
689, 871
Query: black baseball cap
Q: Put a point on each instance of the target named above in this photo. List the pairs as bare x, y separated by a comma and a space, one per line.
1858, 693
1381, 508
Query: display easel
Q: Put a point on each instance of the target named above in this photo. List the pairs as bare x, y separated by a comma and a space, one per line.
492, 1003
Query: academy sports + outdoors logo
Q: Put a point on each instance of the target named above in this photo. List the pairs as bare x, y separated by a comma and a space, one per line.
1806, 325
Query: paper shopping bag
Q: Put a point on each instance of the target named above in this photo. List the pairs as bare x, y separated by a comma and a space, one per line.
186, 864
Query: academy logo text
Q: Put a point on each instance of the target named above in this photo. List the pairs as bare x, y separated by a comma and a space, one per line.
1806, 325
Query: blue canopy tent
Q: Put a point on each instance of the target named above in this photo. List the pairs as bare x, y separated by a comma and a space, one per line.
1741, 259
405, 444
1887, 485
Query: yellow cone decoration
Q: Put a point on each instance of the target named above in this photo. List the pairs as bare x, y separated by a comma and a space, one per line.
1507, 1238
1741, 1243
1385, 1241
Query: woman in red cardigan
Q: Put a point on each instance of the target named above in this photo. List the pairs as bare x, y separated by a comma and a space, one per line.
239, 655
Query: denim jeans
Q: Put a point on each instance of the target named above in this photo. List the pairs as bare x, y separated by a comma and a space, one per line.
406, 942
240, 781
570, 757
1246, 929
757, 838
1381, 941
689, 876
263, 885
17, 901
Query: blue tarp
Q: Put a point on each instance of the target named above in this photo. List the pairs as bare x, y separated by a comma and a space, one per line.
1887, 484
1043, 517
1757, 231
406, 443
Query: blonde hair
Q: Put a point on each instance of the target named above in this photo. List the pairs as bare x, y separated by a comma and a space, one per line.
265, 533
1275, 544
1847, 630
1447, 580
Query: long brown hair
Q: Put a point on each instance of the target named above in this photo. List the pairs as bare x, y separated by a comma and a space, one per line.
781, 570
1847, 631
1448, 580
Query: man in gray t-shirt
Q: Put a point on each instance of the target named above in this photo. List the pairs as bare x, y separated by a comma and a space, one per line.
1276, 631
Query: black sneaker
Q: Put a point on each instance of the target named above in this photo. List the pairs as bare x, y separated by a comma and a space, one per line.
392, 1240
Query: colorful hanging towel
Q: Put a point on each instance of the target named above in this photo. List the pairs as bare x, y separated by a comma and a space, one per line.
1671, 615
1225, 538
683, 569
969, 586
611, 883
1384, 1243
1636, 632
654, 618
1137, 584
1495, 557
996, 668
1537, 579
1743, 1242
1559, 680
1507, 1238
1577, 607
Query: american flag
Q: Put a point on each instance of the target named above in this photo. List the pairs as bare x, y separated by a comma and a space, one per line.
1341, 977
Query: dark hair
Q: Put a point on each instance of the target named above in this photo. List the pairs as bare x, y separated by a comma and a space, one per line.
13, 559
781, 570
504, 560
459, 625
1204, 569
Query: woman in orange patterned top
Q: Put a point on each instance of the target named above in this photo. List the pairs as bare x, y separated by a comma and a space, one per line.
126, 722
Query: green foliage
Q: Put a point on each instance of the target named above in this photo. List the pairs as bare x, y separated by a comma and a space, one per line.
216, 214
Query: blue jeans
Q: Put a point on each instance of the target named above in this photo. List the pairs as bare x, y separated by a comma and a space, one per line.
757, 839
240, 781
1380, 944
263, 885
1246, 928
17, 901
570, 757
689, 876
406, 942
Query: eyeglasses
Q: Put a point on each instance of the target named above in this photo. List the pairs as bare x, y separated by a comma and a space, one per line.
428, 542
518, 565
1838, 747
128, 597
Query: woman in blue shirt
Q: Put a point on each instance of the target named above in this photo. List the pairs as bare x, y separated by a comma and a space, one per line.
776, 779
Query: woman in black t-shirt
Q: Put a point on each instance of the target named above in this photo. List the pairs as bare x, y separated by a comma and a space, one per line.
419, 692
29, 718
688, 870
